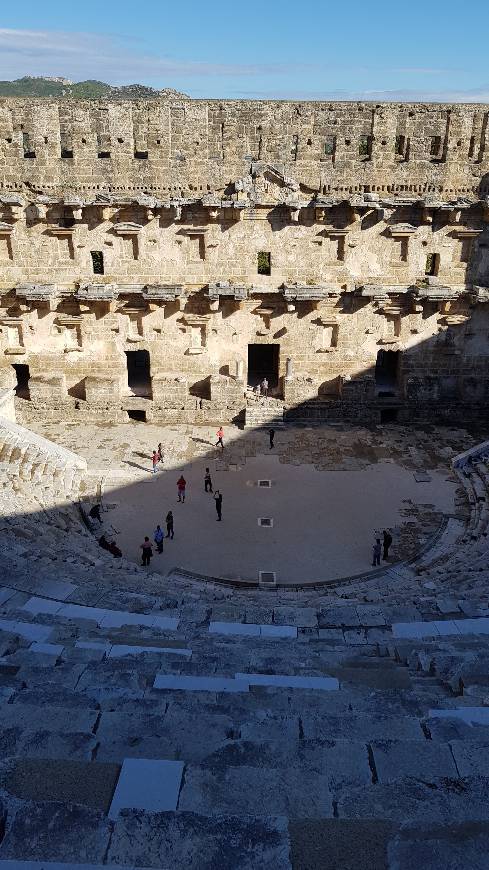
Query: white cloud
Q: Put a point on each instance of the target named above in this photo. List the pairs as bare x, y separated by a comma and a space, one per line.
473, 95
110, 58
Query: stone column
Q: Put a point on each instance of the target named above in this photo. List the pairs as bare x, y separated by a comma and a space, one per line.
239, 369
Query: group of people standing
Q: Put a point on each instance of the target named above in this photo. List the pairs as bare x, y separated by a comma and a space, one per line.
158, 538
159, 535
383, 548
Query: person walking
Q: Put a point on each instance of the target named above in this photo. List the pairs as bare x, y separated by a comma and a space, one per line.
169, 525
386, 544
181, 484
264, 387
218, 501
158, 538
154, 460
207, 481
160, 452
271, 433
220, 436
147, 551
376, 551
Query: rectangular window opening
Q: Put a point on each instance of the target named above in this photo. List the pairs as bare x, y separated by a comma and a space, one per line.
330, 146
97, 262
26, 144
432, 264
140, 155
365, 146
66, 153
103, 154
264, 261
435, 146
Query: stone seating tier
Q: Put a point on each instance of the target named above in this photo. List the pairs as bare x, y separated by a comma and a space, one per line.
155, 722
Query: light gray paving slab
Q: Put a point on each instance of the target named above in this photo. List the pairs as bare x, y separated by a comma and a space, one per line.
42, 605
446, 627
473, 626
469, 715
247, 629
415, 630
121, 650
27, 630
59, 589
80, 611
290, 682
92, 644
147, 784
199, 684
165, 623
280, 631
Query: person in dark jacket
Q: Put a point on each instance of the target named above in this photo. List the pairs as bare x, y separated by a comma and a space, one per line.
218, 501
271, 433
169, 525
387, 543
376, 551
207, 481
147, 551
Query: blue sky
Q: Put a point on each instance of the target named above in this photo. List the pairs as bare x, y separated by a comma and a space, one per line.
297, 49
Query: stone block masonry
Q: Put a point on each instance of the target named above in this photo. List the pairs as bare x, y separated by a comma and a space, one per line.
161, 256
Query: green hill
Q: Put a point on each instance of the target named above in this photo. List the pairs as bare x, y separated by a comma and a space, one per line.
34, 86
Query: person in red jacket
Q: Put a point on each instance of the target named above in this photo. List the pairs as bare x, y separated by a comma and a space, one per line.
220, 436
181, 484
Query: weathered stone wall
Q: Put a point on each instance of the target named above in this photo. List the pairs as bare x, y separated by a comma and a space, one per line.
188, 146
150, 225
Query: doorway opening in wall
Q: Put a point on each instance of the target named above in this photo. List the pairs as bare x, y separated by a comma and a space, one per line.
22, 373
139, 416
387, 372
263, 360
138, 373
388, 415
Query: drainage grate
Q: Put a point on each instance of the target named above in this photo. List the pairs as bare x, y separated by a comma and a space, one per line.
265, 483
267, 578
266, 522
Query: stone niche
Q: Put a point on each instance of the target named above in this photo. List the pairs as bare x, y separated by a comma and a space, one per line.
48, 389
103, 390
170, 392
226, 392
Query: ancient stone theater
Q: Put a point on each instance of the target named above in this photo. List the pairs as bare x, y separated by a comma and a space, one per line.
159, 258
268, 652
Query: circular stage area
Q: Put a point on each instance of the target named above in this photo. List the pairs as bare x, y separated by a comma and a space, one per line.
308, 510
302, 524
